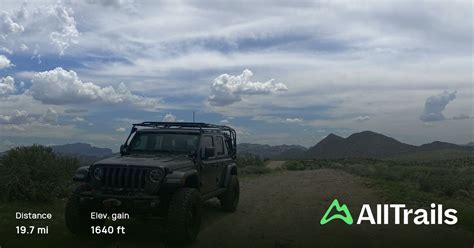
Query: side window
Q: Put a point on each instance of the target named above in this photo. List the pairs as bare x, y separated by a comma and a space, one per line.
219, 146
207, 141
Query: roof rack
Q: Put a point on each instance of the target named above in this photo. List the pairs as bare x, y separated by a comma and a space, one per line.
202, 127
199, 125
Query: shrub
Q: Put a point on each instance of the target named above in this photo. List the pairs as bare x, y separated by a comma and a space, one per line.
35, 173
295, 165
254, 170
249, 160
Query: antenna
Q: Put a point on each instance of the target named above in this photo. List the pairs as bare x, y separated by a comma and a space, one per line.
194, 115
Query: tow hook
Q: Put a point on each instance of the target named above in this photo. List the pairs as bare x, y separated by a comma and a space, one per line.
111, 203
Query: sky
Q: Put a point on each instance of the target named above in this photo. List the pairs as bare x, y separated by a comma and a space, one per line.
279, 72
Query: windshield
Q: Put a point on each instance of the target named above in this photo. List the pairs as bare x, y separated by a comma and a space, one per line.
163, 142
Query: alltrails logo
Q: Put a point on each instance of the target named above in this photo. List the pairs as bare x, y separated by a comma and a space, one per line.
401, 214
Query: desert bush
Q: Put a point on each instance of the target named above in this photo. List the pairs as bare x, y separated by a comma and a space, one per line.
35, 173
249, 160
254, 170
451, 178
295, 165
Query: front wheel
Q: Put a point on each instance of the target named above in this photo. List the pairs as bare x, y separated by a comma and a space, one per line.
184, 215
230, 199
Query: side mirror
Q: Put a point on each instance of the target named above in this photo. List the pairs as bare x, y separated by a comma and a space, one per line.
123, 150
208, 152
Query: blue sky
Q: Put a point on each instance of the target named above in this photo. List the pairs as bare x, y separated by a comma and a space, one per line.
279, 72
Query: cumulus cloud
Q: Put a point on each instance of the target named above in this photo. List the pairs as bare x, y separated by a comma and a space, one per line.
7, 86
362, 118
51, 116
17, 117
8, 26
117, 4
41, 27
61, 86
294, 120
67, 32
78, 119
225, 121
435, 105
4, 62
227, 89
169, 117
120, 129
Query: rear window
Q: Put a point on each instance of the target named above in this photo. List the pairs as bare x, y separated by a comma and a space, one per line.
219, 146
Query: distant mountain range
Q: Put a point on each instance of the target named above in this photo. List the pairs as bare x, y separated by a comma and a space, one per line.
82, 149
273, 152
366, 144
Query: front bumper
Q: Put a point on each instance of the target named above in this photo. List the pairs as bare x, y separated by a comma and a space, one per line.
109, 201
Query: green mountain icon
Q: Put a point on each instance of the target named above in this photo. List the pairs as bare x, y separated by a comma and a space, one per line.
346, 216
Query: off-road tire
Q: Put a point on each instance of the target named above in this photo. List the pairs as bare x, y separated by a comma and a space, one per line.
78, 219
184, 215
230, 199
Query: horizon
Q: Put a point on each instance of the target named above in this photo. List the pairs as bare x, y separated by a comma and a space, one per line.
306, 147
84, 71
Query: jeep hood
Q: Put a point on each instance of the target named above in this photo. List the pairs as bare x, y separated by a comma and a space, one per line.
171, 162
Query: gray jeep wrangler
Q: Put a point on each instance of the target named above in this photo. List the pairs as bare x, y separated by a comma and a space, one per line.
165, 170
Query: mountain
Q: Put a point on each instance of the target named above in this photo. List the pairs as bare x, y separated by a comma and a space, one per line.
82, 149
437, 145
470, 144
272, 152
366, 144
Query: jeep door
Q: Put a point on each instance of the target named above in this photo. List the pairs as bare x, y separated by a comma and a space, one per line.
222, 159
208, 165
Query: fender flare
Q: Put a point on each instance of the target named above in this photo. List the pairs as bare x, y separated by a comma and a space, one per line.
231, 170
178, 178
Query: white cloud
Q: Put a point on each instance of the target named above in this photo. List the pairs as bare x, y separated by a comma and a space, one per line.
42, 26
4, 62
17, 117
120, 129
67, 32
225, 121
8, 26
435, 105
51, 116
78, 119
60, 86
169, 118
7, 86
129, 5
294, 120
227, 89
362, 118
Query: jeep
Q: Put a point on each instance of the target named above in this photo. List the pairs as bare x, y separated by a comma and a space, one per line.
165, 170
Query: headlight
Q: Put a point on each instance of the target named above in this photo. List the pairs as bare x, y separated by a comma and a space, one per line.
156, 175
98, 173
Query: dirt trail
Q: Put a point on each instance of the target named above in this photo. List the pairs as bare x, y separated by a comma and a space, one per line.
280, 209
275, 164
284, 210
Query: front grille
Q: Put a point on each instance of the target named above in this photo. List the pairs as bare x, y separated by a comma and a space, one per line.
123, 178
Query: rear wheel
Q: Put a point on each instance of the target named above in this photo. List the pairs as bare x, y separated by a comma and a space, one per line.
184, 215
230, 199
78, 219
